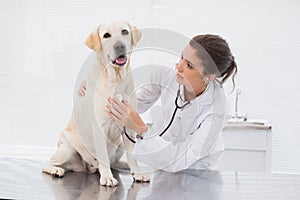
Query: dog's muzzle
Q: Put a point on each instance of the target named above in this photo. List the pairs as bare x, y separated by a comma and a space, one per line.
121, 60
120, 51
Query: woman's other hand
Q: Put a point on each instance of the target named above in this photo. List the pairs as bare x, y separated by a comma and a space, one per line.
125, 115
82, 89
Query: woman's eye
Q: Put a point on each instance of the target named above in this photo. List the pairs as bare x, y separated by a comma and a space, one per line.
125, 32
106, 35
189, 66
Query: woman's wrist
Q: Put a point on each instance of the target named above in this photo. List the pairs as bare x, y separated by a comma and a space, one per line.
141, 129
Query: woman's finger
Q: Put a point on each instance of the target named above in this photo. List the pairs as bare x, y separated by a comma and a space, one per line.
82, 91
126, 104
114, 109
84, 85
119, 106
115, 118
120, 103
115, 112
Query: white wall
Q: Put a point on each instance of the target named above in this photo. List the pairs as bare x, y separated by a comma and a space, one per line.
41, 52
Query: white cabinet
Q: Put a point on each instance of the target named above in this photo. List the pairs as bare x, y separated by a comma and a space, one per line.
247, 147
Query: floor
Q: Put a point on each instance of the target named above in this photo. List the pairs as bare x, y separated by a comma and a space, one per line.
22, 179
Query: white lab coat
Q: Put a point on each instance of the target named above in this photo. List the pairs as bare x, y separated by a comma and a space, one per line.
194, 139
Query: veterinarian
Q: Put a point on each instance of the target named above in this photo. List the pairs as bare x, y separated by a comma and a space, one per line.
194, 116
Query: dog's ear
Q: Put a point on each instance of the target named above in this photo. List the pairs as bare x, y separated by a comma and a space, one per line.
136, 34
93, 41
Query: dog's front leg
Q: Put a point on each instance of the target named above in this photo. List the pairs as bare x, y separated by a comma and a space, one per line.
106, 176
135, 171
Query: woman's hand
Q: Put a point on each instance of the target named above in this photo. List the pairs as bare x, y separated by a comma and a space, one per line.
125, 115
82, 89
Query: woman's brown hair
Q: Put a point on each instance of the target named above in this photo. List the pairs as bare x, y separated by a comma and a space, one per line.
216, 56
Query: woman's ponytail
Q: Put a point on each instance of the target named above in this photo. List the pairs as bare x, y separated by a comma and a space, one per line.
216, 56
231, 71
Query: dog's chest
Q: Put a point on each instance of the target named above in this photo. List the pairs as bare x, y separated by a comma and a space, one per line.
108, 125
105, 91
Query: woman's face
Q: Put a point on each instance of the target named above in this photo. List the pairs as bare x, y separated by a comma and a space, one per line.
190, 70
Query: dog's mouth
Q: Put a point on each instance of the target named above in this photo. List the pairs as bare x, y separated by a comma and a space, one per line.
120, 60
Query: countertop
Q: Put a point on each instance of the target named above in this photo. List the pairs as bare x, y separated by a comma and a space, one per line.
22, 179
258, 124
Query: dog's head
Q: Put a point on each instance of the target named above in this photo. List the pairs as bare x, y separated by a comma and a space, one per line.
114, 41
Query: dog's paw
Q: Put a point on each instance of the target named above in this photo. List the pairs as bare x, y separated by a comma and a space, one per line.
108, 181
54, 171
140, 177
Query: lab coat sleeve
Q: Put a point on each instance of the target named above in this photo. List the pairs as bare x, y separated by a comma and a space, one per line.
149, 92
161, 154
147, 96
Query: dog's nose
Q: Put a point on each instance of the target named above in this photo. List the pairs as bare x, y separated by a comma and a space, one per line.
119, 46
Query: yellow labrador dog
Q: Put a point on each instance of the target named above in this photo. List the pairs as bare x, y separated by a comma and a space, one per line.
92, 141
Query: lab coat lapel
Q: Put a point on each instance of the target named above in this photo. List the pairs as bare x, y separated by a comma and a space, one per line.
192, 115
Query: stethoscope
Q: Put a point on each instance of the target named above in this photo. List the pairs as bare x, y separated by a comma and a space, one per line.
172, 118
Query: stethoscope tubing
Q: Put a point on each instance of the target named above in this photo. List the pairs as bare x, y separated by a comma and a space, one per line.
172, 118
174, 112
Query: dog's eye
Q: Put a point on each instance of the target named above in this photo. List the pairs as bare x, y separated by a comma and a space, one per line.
106, 35
125, 32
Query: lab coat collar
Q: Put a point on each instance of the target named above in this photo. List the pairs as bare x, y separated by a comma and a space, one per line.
205, 98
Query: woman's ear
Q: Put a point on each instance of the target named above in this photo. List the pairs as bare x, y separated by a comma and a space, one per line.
136, 34
209, 77
93, 41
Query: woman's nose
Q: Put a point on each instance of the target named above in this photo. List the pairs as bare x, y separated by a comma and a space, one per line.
179, 65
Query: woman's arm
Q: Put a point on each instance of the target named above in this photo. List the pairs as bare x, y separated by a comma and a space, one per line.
149, 89
146, 96
158, 153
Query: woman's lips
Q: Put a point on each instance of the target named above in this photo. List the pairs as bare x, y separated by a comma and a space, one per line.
179, 76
